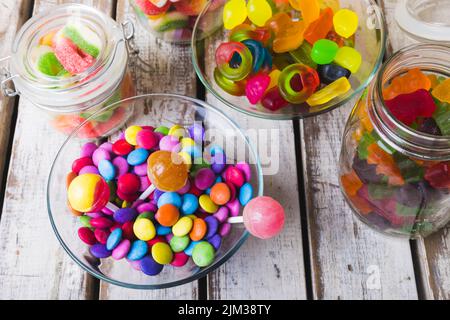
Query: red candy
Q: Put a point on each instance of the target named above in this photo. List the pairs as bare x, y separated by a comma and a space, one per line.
273, 100
150, 9
127, 231
179, 259
155, 240
122, 147
128, 184
234, 176
195, 191
101, 223
146, 139
102, 235
408, 107
256, 86
232, 191
79, 164
127, 197
438, 176
87, 236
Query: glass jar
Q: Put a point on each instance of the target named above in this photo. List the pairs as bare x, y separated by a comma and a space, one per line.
174, 20
72, 61
396, 178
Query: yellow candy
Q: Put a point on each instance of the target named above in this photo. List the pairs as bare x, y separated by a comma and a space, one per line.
274, 76
333, 4
234, 13
182, 227
131, 133
331, 91
88, 192
442, 91
345, 22
207, 204
162, 253
192, 216
144, 229
125, 204
259, 12
186, 159
187, 142
348, 58
178, 131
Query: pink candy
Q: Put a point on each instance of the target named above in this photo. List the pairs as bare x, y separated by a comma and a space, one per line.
73, 60
234, 207
263, 217
179, 259
256, 87
101, 223
169, 143
121, 250
147, 139
79, 164
88, 149
235, 176
121, 165
245, 168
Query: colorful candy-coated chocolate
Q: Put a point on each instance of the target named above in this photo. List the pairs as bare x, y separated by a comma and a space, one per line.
182, 227
179, 244
246, 169
137, 157
298, 82
122, 147
88, 193
144, 229
319, 28
259, 12
324, 51
234, 176
245, 193
100, 154
225, 229
114, 239
348, 58
167, 171
203, 254
222, 214
345, 22
131, 134
204, 178
172, 198
107, 170
121, 250
328, 73
162, 253
138, 250
207, 204
79, 164
128, 184
180, 259
333, 90
167, 215
99, 251
124, 215
189, 204
87, 236
234, 207
228, 51
199, 229
149, 266
213, 226
215, 241
264, 217
220, 193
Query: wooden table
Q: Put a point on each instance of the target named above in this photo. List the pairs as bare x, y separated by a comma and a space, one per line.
323, 253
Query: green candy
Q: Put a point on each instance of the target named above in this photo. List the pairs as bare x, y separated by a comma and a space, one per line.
442, 116
227, 85
170, 21
303, 55
203, 254
46, 61
366, 140
163, 130
178, 244
282, 60
86, 221
84, 38
146, 215
411, 171
324, 51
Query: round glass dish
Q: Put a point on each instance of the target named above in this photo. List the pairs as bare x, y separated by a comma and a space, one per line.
152, 110
370, 41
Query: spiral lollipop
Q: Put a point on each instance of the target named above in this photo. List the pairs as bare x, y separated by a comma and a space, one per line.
263, 217
166, 171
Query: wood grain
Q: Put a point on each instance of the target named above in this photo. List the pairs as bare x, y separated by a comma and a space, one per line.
33, 264
348, 259
433, 255
161, 67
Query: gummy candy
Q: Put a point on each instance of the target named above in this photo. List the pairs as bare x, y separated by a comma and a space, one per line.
234, 13
329, 73
73, 60
412, 81
324, 51
274, 77
225, 53
234, 88
441, 116
189, 7
258, 53
288, 33
407, 107
310, 9
442, 91
83, 37
333, 36
385, 164
320, 28
308, 82
438, 175
345, 22
303, 55
273, 100
331, 91
410, 170
256, 87
348, 58
150, 8
366, 172
259, 12
429, 126
351, 183
46, 61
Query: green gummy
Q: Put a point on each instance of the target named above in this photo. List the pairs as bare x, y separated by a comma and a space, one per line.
303, 55
442, 116
411, 171
379, 191
73, 34
48, 64
171, 21
282, 60
406, 211
366, 140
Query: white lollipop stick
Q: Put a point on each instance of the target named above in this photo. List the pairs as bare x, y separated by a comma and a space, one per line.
112, 207
234, 220
147, 192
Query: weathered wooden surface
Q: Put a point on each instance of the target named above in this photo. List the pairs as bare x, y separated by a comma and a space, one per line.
433, 255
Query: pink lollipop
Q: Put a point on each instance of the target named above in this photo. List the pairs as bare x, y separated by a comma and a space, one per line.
263, 217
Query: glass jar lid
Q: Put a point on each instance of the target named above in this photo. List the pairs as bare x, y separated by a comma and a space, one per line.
425, 19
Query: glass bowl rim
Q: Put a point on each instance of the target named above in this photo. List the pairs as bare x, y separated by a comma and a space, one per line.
204, 271
379, 61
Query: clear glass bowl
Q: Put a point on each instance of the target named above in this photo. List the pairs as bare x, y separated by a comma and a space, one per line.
370, 41
152, 110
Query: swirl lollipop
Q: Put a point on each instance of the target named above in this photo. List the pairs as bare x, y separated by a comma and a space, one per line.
263, 217
166, 171
89, 193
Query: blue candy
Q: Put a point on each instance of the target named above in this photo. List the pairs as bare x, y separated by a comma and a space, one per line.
258, 53
218, 180
245, 193
170, 198
107, 170
138, 156
216, 150
125, 215
268, 61
213, 226
190, 204
190, 248
150, 267
216, 241
163, 231
138, 250
114, 239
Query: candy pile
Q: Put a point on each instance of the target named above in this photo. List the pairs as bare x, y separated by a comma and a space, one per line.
390, 189
174, 20
186, 216
288, 52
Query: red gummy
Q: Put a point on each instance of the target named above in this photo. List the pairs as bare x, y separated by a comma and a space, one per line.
408, 107
128, 184
150, 9
71, 57
79, 164
127, 231
273, 100
438, 175
122, 147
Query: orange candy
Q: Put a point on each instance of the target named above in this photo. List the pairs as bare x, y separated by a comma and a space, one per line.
361, 204
220, 193
288, 33
69, 178
411, 82
320, 28
198, 230
47, 40
167, 171
385, 165
442, 91
167, 215
351, 183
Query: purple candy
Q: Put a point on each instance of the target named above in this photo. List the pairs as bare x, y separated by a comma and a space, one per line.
170, 143
121, 165
213, 225
141, 170
89, 169
107, 146
94, 215
121, 250
88, 149
169, 237
157, 194
185, 189
137, 203
216, 241
145, 183
136, 265
125, 215
234, 207
204, 178
197, 132
145, 207
149, 266
222, 214
99, 251
99, 155
218, 163
245, 168
225, 229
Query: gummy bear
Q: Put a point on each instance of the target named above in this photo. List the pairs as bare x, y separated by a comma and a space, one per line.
310, 9
234, 13
331, 91
351, 183
288, 33
345, 22
259, 12
385, 164
256, 87
307, 78
319, 28
412, 81
439, 175
407, 107
442, 91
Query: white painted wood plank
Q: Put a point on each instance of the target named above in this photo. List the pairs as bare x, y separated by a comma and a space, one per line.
33, 264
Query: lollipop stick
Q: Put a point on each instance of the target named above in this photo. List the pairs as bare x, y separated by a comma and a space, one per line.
234, 220
147, 192
112, 207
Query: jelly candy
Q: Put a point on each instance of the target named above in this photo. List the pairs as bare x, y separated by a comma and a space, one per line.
150, 8
225, 53
362, 205
385, 164
412, 81
282, 60
46, 61
429, 126
288, 33
329, 73
229, 86
242, 32
190, 7
410, 170
320, 28
273, 100
441, 116
170, 21
351, 183
83, 37
333, 36
365, 171
331, 91
256, 87
333, 4
310, 9
274, 77
407, 107
434, 81
234, 13
259, 12
324, 51
345, 22
438, 176
442, 91
307, 78
409, 195
348, 58
366, 140
303, 55
258, 53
